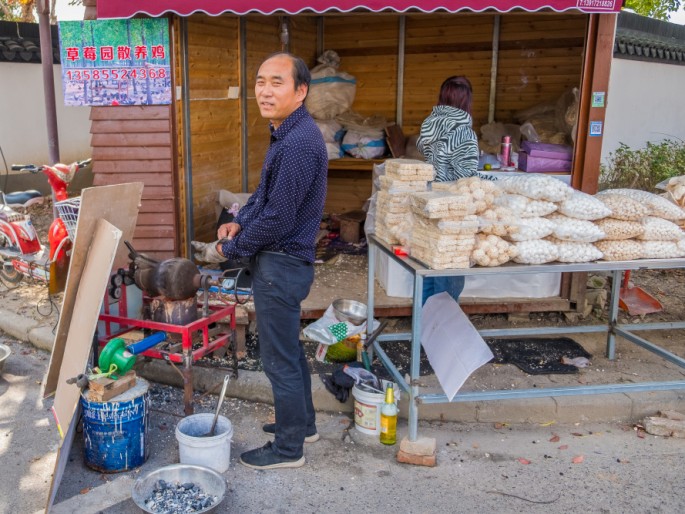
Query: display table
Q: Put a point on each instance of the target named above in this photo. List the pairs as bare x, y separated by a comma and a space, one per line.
612, 328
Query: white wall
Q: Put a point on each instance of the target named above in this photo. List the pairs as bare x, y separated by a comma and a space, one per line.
646, 102
23, 132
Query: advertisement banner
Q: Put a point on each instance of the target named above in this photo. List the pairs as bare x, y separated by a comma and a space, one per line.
115, 62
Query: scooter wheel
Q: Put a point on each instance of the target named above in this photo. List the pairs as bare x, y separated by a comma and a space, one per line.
10, 275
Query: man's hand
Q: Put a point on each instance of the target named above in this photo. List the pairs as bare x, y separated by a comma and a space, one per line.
228, 231
208, 252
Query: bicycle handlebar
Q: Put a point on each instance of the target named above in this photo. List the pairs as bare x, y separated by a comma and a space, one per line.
32, 168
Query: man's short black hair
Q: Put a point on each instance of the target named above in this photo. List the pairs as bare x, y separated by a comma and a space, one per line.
301, 73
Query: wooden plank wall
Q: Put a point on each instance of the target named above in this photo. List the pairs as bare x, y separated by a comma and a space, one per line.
133, 144
214, 65
541, 57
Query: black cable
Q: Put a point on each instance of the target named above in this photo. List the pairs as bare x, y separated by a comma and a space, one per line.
7, 172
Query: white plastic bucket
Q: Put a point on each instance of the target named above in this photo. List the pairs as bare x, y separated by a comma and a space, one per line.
212, 452
367, 410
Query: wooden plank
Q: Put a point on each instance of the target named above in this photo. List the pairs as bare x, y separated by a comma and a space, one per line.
104, 389
128, 166
113, 153
119, 206
131, 112
153, 179
158, 192
157, 246
157, 206
161, 218
129, 139
136, 126
153, 232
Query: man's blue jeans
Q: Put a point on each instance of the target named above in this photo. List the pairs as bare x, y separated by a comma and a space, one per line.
280, 283
434, 285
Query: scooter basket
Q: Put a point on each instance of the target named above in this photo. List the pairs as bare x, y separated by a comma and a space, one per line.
68, 210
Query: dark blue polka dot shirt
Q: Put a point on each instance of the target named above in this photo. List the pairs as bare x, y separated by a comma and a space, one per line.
284, 213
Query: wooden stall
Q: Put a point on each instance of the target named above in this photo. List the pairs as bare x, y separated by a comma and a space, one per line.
517, 54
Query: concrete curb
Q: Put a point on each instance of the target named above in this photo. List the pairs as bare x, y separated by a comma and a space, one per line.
254, 386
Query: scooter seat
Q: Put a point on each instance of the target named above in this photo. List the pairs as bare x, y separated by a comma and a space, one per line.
24, 198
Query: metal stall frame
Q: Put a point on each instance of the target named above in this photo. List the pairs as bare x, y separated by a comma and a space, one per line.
612, 328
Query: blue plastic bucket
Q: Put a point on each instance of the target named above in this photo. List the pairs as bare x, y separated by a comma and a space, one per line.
115, 433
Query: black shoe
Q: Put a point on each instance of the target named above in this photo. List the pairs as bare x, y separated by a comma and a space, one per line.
270, 428
265, 458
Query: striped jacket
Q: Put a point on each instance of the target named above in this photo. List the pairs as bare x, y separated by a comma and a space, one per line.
448, 142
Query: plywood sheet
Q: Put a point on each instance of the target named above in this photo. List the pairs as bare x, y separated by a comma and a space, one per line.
96, 270
119, 206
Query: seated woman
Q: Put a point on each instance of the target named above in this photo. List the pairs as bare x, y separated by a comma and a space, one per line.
448, 142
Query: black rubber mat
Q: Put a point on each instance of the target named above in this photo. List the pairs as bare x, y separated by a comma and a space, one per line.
537, 356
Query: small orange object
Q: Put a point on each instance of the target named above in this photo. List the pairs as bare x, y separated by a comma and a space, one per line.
523, 461
400, 251
578, 459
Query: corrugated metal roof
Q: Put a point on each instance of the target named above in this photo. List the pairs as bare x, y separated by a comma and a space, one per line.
646, 39
20, 42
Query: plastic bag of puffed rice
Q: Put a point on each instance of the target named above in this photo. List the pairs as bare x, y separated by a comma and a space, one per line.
538, 187
531, 228
537, 251
584, 206
525, 207
623, 207
620, 229
575, 230
658, 205
576, 252
659, 229
624, 250
661, 250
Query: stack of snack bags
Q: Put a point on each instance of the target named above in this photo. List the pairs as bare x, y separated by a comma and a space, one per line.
657, 237
445, 221
393, 212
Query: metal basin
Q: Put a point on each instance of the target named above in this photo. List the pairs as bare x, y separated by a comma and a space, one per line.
350, 310
4, 354
207, 479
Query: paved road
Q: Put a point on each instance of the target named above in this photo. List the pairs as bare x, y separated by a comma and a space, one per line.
481, 467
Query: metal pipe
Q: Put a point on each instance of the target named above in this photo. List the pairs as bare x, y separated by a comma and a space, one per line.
400, 70
493, 68
48, 80
244, 171
187, 153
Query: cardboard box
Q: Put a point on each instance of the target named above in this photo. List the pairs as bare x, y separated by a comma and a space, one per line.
547, 150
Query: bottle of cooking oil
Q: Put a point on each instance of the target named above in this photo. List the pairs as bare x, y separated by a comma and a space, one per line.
389, 417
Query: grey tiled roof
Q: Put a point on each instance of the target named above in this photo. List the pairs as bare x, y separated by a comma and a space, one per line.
20, 42
646, 39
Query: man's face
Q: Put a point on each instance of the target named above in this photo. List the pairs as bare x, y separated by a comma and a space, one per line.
275, 90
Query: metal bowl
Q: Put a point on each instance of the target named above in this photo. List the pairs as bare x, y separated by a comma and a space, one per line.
350, 310
207, 479
4, 354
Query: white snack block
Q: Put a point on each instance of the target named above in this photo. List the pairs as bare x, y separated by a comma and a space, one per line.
491, 250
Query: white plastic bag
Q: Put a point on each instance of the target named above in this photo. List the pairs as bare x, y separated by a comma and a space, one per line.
329, 330
358, 145
331, 92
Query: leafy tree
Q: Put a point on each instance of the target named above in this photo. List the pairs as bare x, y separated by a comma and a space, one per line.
17, 10
658, 9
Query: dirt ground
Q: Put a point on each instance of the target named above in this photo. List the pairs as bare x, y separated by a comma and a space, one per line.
668, 286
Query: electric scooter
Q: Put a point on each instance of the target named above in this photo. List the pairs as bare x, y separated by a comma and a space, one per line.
21, 252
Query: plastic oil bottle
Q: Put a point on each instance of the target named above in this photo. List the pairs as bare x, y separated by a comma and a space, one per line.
389, 418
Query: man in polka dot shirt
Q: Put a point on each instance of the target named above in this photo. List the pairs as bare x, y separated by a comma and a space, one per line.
276, 229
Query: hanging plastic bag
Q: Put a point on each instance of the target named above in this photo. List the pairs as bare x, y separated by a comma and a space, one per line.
331, 92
